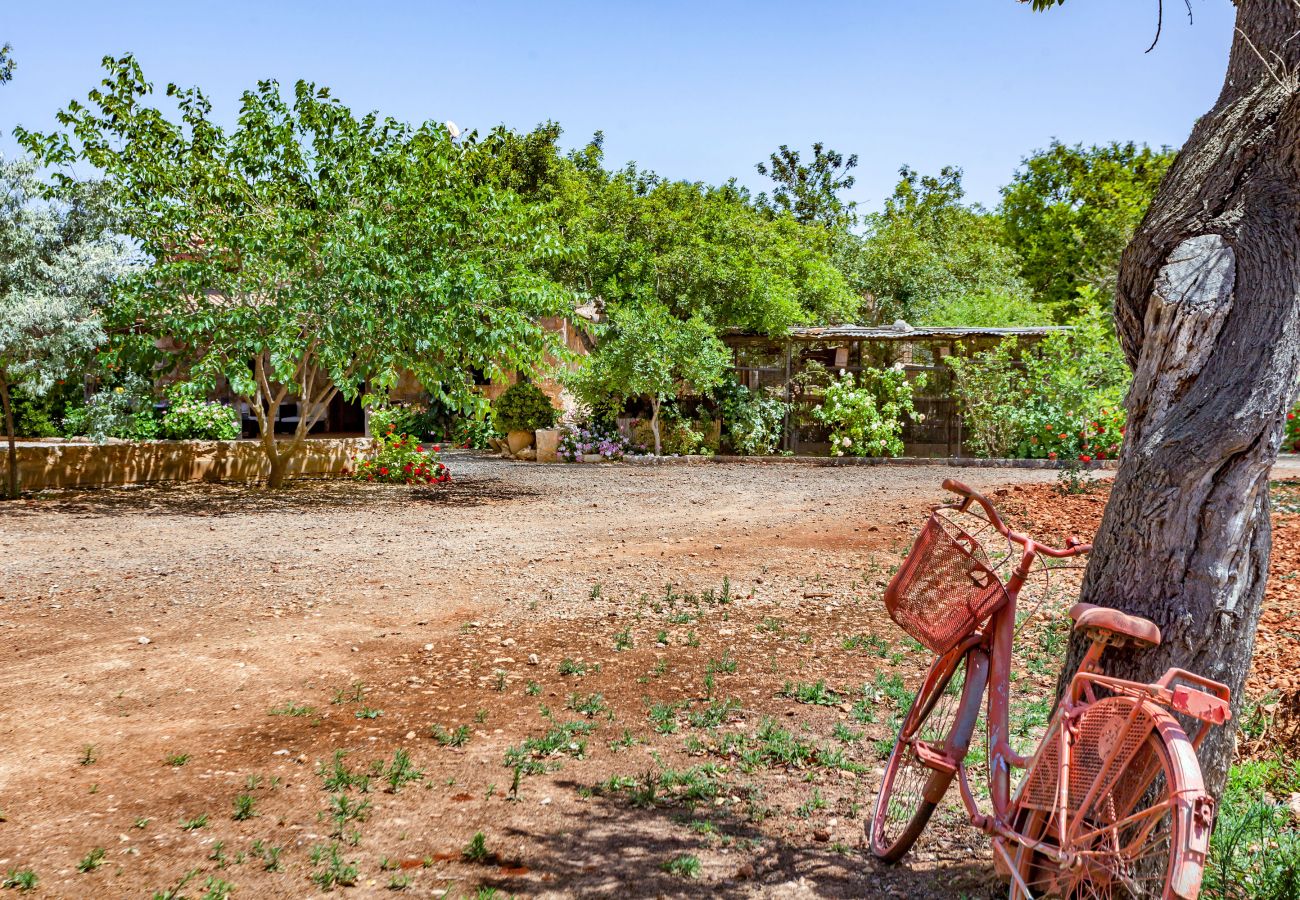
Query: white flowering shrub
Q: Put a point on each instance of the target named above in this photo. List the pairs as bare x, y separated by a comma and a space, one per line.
865, 414
190, 417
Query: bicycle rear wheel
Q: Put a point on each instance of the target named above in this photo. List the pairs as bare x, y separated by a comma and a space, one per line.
1128, 809
942, 717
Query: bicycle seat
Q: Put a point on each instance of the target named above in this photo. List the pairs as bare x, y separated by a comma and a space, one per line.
1090, 617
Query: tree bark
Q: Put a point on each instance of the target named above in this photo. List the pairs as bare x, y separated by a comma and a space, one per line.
11, 485
1208, 313
654, 424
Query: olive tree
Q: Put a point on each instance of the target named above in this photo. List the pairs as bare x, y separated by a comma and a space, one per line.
1208, 314
56, 266
307, 251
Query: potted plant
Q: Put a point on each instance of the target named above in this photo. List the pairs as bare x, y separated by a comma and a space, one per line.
520, 411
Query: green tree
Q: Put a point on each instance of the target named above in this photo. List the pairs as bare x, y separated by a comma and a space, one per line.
698, 249
308, 252
646, 351
811, 192
7, 64
56, 266
1070, 211
930, 259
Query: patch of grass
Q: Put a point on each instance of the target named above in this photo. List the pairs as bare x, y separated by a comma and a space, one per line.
572, 667
216, 889
244, 808
458, 737
336, 776
624, 742
664, 716
623, 640
290, 708
846, 734
870, 642
714, 714
532, 689
268, 854
174, 892
20, 879
344, 811
91, 861
812, 804
683, 865
815, 693
725, 664
563, 738
770, 625
367, 712
194, 824
89, 755
332, 871
400, 771
476, 850
1256, 841
176, 760
353, 693
588, 704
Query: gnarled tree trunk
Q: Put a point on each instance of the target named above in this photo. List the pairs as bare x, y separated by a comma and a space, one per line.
1208, 312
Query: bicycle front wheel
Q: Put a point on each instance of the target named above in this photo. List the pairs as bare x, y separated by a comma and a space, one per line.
942, 717
1126, 827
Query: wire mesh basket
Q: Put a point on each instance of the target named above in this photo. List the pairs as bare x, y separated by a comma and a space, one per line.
945, 588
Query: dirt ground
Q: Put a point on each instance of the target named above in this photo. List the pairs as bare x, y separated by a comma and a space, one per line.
632, 681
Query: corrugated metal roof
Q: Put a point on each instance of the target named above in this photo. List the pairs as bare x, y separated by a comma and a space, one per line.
903, 331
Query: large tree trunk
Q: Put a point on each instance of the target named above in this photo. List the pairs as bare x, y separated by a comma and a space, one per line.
1208, 312
11, 485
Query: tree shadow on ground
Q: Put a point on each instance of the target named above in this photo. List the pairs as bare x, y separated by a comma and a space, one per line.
204, 500
613, 849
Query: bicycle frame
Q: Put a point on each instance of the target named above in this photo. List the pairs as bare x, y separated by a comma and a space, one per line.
991, 650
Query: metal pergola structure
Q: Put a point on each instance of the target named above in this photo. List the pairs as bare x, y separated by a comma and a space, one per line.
774, 364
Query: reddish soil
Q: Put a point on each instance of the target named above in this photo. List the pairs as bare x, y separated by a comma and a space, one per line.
168, 644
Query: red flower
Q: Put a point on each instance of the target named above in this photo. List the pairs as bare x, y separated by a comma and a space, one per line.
1085, 458
1290, 416
419, 448
1062, 436
383, 470
1052, 455
437, 448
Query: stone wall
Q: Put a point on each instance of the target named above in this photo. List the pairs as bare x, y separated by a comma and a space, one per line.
43, 466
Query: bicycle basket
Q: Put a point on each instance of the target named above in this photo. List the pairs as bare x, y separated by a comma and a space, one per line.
944, 588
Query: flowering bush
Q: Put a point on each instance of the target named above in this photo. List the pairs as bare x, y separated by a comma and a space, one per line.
190, 417
753, 421
398, 458
1067, 435
577, 442
866, 415
122, 411
1291, 440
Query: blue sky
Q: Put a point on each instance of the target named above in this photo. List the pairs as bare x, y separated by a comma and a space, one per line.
697, 90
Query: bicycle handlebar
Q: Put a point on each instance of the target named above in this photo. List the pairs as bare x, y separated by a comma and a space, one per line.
1073, 546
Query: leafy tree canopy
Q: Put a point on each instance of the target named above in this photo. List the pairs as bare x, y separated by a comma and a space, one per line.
811, 192
57, 263
646, 351
7, 64
694, 248
309, 251
1070, 211
930, 259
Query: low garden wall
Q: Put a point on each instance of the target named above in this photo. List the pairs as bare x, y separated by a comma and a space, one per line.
43, 466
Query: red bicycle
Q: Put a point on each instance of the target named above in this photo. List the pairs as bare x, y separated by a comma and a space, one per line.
1112, 802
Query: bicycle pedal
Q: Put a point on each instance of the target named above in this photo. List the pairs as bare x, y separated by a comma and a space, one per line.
932, 759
